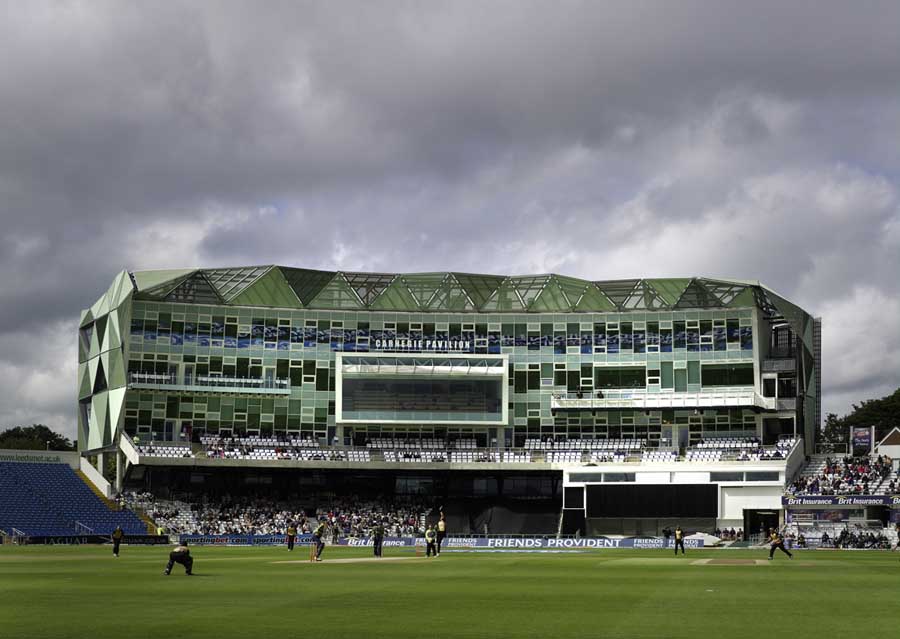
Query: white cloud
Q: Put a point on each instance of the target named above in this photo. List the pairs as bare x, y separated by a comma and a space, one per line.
38, 377
601, 142
860, 347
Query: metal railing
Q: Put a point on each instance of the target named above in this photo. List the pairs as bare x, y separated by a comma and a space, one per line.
82, 529
211, 382
831, 449
642, 398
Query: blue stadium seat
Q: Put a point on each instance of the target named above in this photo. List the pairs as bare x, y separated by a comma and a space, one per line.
48, 499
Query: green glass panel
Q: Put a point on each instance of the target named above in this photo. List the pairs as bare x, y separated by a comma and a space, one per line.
745, 298
696, 296
396, 297
84, 381
152, 279
593, 301
505, 298
271, 290
670, 289
621, 292
573, 288
195, 289
423, 286
160, 291
693, 372
450, 297
306, 283
369, 286
799, 320
336, 295
725, 292
115, 376
668, 375
649, 298
680, 380
479, 287
551, 299
231, 282
529, 288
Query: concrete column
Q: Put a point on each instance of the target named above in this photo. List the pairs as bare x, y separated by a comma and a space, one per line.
101, 464
120, 470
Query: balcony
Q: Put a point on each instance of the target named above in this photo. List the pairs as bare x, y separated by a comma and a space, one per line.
642, 399
207, 385
779, 365
786, 403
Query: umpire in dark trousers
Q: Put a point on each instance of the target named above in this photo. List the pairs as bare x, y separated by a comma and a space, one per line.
378, 539
117, 536
181, 555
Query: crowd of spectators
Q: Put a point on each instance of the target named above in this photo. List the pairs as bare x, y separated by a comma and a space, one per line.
729, 534
851, 539
355, 517
849, 476
346, 517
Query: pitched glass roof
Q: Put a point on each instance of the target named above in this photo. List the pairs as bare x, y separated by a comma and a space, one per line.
277, 287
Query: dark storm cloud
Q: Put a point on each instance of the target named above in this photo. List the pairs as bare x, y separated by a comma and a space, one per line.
753, 140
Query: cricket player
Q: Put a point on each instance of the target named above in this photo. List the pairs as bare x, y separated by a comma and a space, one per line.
441, 532
117, 536
319, 537
777, 543
679, 539
430, 542
291, 536
181, 555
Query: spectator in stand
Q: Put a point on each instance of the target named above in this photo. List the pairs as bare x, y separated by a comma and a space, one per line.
850, 476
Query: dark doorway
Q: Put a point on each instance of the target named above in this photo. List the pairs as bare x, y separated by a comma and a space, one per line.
757, 522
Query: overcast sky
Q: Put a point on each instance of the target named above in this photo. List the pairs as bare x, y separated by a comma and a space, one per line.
753, 140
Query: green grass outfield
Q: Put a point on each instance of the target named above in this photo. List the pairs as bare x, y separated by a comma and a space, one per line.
66, 591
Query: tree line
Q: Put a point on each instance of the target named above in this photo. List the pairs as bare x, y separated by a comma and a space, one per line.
34, 437
883, 414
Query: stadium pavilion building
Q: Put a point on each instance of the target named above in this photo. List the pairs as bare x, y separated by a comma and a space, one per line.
598, 383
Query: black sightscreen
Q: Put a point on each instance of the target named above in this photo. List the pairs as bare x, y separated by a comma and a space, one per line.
672, 500
429, 394
574, 497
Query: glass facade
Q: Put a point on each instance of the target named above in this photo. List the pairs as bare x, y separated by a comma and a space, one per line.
254, 350
549, 355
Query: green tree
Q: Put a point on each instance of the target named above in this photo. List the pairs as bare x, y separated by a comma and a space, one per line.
883, 414
35, 437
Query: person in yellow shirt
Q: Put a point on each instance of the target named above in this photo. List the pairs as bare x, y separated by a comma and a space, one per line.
441, 532
777, 543
291, 536
430, 542
679, 540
